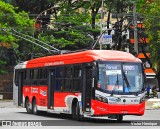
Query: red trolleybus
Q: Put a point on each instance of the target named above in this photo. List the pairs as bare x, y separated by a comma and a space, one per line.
85, 83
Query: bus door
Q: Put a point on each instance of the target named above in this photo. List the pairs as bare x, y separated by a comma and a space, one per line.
86, 90
19, 83
51, 88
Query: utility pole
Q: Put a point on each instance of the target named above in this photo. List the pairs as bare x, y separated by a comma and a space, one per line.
101, 24
135, 28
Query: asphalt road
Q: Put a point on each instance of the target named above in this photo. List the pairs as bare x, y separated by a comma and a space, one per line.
18, 118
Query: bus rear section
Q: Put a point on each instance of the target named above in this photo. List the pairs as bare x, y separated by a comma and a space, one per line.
111, 87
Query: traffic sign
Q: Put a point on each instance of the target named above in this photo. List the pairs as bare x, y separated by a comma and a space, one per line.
106, 39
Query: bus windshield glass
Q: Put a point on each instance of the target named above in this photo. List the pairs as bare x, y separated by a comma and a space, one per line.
120, 78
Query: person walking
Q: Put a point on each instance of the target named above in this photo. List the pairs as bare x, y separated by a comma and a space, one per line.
148, 90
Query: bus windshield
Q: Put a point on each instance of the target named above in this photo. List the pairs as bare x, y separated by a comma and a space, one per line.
120, 78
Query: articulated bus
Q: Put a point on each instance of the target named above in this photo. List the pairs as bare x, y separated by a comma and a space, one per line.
89, 83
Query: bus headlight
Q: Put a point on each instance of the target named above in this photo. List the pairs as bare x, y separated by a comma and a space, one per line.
101, 98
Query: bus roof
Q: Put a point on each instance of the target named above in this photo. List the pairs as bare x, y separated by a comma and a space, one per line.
82, 57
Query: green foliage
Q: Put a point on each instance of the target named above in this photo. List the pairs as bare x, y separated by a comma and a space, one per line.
71, 30
10, 18
118, 6
150, 10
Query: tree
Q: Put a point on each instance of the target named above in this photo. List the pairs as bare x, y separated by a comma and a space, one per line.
150, 10
68, 9
72, 28
10, 19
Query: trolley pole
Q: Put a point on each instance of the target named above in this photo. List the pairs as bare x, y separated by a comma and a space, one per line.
135, 28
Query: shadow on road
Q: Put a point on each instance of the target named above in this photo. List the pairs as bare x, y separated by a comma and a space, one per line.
66, 120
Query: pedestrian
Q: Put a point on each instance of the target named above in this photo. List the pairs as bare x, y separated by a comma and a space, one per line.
148, 90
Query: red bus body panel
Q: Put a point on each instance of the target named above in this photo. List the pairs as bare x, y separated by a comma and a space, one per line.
59, 98
41, 95
101, 108
82, 57
39, 92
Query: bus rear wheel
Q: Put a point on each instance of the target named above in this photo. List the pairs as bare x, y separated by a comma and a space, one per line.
34, 107
27, 105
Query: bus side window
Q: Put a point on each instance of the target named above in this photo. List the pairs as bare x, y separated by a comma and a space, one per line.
76, 85
59, 72
27, 80
25, 75
35, 75
77, 78
68, 72
31, 74
68, 78
77, 71
68, 84
42, 76
59, 85
44, 73
59, 79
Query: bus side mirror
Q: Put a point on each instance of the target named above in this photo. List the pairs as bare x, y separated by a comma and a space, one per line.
16, 83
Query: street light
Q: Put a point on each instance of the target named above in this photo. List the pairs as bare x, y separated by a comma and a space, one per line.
36, 22
39, 16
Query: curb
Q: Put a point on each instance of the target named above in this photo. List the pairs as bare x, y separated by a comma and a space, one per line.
152, 109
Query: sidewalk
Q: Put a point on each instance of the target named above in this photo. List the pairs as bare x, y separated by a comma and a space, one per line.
152, 103
149, 103
6, 104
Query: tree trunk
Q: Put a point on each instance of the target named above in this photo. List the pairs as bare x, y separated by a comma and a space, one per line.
93, 21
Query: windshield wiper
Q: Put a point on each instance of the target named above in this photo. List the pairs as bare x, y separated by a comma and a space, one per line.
126, 80
116, 84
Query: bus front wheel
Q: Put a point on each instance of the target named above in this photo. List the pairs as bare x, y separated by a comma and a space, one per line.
27, 105
76, 111
119, 118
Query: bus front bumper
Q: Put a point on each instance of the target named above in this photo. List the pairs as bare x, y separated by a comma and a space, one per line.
101, 108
